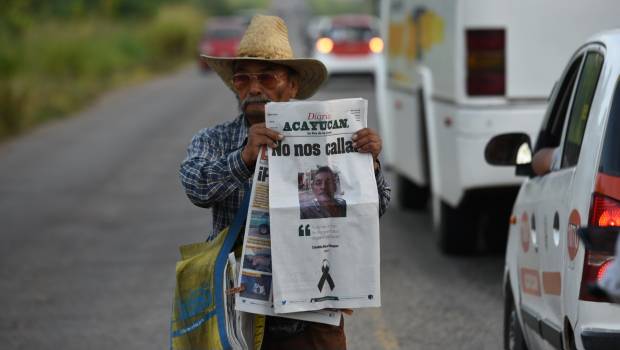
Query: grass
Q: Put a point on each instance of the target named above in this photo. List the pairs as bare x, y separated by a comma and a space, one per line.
336, 7
58, 66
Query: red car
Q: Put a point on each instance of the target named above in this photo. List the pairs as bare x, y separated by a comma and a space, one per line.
221, 37
349, 44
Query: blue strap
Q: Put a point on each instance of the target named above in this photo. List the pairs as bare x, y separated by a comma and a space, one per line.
220, 264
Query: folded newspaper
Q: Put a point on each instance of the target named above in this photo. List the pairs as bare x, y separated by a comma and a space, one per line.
238, 329
256, 268
323, 208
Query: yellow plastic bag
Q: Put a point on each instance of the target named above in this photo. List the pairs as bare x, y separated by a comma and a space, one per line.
198, 319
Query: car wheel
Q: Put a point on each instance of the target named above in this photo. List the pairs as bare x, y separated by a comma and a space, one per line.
513, 336
457, 230
410, 195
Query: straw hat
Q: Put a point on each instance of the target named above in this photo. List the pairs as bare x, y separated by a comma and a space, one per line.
266, 40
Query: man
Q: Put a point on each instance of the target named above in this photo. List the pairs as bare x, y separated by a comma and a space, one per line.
263, 230
221, 159
545, 160
258, 262
259, 287
324, 204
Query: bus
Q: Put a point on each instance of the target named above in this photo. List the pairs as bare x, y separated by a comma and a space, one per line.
457, 72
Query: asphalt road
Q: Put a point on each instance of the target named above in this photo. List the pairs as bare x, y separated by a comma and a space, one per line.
92, 213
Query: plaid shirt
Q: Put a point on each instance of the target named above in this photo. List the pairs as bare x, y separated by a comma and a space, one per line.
213, 174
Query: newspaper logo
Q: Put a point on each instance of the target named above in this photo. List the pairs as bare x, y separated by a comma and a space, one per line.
326, 277
319, 116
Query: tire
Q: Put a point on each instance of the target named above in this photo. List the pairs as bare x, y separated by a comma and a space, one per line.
513, 335
497, 212
457, 230
410, 195
496, 235
569, 336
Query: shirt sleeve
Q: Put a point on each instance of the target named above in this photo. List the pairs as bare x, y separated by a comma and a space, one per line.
556, 159
385, 191
611, 279
210, 173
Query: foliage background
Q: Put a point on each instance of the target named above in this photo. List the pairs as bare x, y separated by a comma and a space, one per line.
57, 55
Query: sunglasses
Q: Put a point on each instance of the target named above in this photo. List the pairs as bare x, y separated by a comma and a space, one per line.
267, 80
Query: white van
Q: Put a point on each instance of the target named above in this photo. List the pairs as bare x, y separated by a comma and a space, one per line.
458, 72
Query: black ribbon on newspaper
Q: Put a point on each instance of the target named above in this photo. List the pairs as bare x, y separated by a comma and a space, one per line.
326, 277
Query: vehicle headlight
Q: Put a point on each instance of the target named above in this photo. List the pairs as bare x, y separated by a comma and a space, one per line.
324, 45
376, 45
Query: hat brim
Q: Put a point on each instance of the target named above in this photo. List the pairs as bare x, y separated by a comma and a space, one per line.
312, 73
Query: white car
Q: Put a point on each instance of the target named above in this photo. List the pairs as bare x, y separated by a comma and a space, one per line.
549, 272
349, 44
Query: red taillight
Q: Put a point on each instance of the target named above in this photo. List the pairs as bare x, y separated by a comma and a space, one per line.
594, 267
604, 212
486, 62
603, 269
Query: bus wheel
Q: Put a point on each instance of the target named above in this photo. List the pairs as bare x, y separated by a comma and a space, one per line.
457, 230
410, 195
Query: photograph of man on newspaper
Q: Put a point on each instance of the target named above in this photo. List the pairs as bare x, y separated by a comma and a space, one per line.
257, 258
257, 285
259, 225
317, 194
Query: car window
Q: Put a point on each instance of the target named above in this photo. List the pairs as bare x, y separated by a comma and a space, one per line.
550, 134
580, 110
224, 33
350, 33
610, 157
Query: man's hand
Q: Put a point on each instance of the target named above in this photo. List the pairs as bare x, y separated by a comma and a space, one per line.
368, 141
258, 135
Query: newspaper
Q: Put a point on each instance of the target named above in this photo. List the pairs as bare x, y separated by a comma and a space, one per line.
235, 330
323, 205
256, 273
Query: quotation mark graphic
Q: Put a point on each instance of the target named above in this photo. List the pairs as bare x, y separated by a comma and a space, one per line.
304, 230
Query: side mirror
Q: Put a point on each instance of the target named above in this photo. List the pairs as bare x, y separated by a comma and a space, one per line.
525, 170
509, 149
